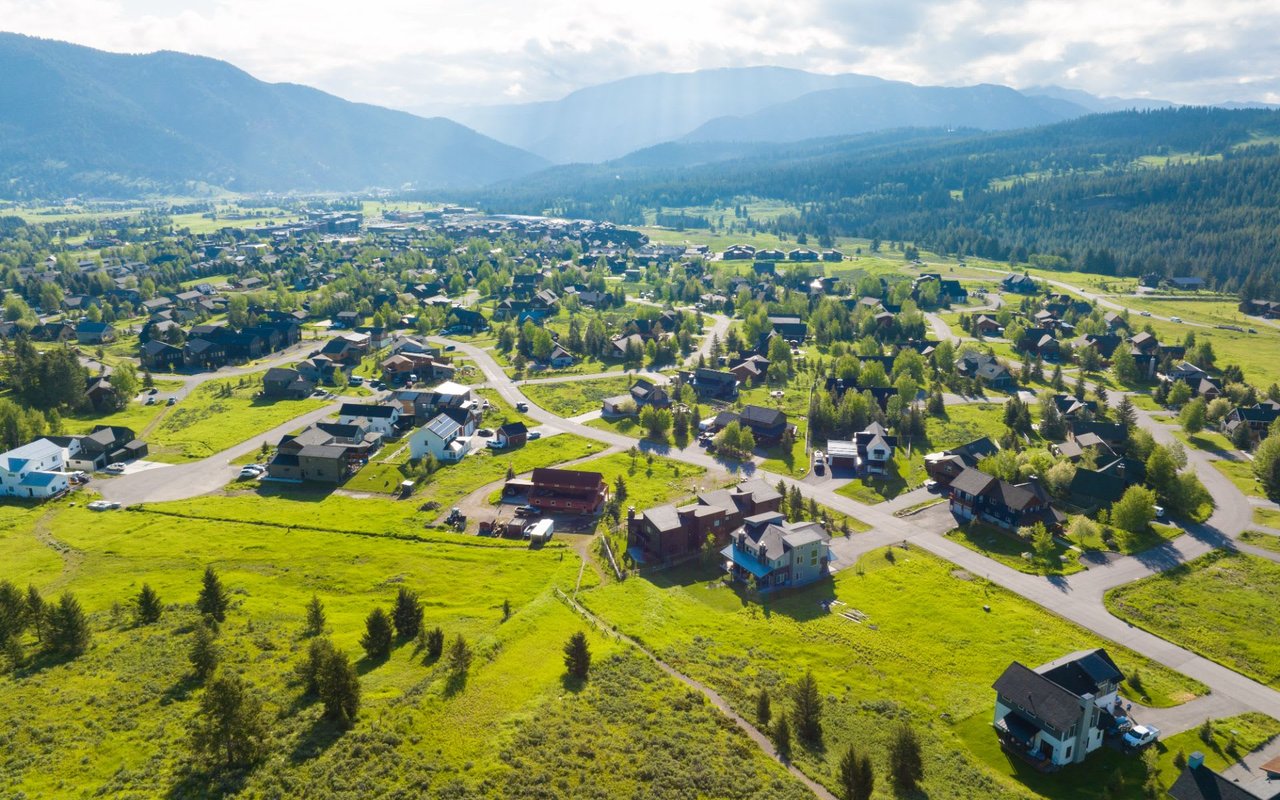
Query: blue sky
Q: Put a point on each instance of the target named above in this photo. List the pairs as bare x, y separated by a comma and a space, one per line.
425, 55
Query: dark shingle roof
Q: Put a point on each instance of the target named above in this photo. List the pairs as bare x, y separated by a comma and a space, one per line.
1054, 705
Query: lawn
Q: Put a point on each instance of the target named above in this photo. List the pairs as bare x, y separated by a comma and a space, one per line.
926, 651
135, 416
1128, 543
221, 414
1012, 551
115, 721
455, 481
1233, 738
1209, 441
571, 398
1212, 605
1241, 474
793, 461
1268, 541
651, 480
1267, 516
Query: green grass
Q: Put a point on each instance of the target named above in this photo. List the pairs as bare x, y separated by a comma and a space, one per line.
927, 651
1267, 516
135, 416
1209, 441
571, 398
1241, 474
1233, 738
1268, 541
1009, 549
650, 482
207, 422
451, 483
1212, 606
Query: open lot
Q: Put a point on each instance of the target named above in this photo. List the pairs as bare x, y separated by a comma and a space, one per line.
1213, 606
571, 398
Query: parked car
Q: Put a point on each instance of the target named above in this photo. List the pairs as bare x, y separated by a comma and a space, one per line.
493, 444
1141, 735
522, 407
819, 462
528, 511
356, 380
450, 347
484, 433
103, 505
152, 390
1175, 319
171, 401
116, 466
79, 476
249, 473
151, 401
1144, 313
931, 485
1159, 511
535, 435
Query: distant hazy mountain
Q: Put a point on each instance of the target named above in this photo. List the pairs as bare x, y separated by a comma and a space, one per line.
862, 109
607, 121
1097, 104
75, 119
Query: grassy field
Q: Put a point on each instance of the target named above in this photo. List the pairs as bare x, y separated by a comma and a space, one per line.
1241, 474
1209, 441
571, 398
1012, 551
114, 721
1128, 543
135, 416
1212, 605
218, 415
933, 668
1267, 516
1268, 541
1233, 738
650, 480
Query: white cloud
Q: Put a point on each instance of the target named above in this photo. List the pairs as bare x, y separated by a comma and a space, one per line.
416, 55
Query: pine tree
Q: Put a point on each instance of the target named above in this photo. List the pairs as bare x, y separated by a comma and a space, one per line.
213, 599
459, 656
857, 778
795, 504
435, 643
763, 712
376, 640
807, 710
315, 617
14, 613
407, 614
68, 627
230, 727
906, 766
147, 606
782, 738
1127, 414
204, 652
318, 650
339, 688
38, 611
577, 656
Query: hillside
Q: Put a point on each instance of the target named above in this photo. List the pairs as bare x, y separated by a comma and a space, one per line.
74, 119
1124, 184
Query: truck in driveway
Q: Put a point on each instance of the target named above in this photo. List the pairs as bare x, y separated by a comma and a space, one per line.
540, 532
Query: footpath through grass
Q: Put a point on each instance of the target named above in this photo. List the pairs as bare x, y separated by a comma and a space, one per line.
925, 651
1216, 606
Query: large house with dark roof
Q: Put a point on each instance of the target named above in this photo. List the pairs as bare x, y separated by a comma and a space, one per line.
945, 466
323, 453
768, 553
561, 490
667, 533
1057, 713
975, 495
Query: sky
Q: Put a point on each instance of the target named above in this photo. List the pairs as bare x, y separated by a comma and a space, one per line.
428, 55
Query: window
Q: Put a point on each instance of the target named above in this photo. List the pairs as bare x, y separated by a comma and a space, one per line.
1067, 755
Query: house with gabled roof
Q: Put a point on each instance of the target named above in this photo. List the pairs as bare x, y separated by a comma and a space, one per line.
442, 437
1057, 713
945, 466
667, 533
975, 495
35, 470
90, 332
769, 553
380, 418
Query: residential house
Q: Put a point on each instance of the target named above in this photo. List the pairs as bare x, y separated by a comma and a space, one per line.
642, 393
101, 394
441, 437
409, 366
790, 328
1107, 484
1021, 284
1199, 782
1038, 342
1105, 343
767, 425
1110, 433
711, 385
559, 358
372, 418
281, 382
105, 444
464, 320
1268, 309
1186, 284
1116, 321
323, 453
985, 325
665, 534
975, 495
34, 470
768, 553
1057, 713
346, 349
561, 490
1198, 380
751, 370
738, 252
875, 449
945, 466
1258, 418
984, 367
159, 356
512, 434
832, 255
318, 370
89, 332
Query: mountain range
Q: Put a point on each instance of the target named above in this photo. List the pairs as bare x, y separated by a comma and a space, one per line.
75, 119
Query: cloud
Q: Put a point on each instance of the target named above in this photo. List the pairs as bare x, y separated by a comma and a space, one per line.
416, 55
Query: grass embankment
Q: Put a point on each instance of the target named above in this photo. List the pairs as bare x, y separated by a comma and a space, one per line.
926, 651
1213, 606
115, 720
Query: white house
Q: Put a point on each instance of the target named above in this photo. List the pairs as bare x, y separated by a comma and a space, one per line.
380, 419
1057, 713
441, 437
34, 470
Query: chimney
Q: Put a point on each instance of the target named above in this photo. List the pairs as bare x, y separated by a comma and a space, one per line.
631, 513
1196, 761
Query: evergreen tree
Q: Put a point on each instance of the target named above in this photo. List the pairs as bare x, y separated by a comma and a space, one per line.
407, 614
37, 612
577, 656
376, 640
230, 728
857, 778
147, 606
213, 599
459, 656
339, 688
1127, 414
204, 652
318, 650
807, 710
68, 628
763, 712
435, 643
782, 738
14, 614
315, 616
906, 765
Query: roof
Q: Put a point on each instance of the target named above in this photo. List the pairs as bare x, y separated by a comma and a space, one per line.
16, 459
760, 415
841, 448
1082, 672
972, 481
513, 429
449, 387
1202, 783
567, 477
663, 518
1051, 703
368, 411
443, 427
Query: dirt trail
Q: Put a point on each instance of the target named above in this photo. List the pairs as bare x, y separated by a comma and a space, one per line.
71, 557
